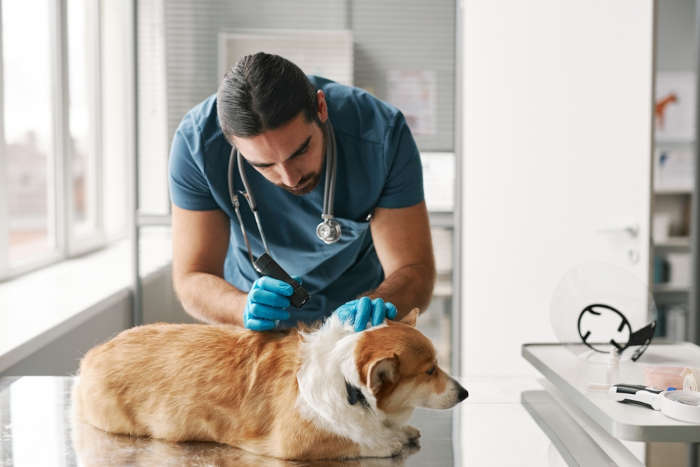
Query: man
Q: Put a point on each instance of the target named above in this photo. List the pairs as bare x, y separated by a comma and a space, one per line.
383, 264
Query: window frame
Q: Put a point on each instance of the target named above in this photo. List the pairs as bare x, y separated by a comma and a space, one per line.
4, 216
60, 220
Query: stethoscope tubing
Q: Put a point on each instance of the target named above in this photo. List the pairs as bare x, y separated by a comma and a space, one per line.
235, 158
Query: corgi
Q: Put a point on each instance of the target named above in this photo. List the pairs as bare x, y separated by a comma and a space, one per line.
304, 394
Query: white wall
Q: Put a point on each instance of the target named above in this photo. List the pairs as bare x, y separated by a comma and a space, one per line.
62, 356
556, 136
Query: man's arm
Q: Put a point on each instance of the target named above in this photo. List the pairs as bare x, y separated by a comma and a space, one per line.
200, 243
402, 241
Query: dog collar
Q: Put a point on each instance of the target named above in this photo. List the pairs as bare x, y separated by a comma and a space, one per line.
355, 395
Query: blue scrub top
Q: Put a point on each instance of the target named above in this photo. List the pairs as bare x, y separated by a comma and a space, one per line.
378, 165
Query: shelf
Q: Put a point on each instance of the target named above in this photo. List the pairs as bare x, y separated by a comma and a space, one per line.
674, 140
674, 242
673, 191
671, 288
441, 219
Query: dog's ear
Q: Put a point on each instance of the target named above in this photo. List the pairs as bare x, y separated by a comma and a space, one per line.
411, 317
381, 372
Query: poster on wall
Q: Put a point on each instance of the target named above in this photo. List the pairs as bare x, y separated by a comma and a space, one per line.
414, 92
674, 169
327, 53
674, 110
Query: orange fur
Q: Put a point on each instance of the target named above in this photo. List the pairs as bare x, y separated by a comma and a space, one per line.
399, 343
200, 382
197, 382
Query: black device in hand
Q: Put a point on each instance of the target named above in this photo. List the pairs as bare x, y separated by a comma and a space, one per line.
269, 267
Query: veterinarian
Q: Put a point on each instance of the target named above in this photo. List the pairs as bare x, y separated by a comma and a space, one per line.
381, 267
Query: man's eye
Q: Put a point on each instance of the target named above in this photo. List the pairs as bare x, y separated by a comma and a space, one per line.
431, 370
301, 153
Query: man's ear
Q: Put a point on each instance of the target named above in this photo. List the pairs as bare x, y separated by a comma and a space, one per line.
321, 106
382, 372
411, 317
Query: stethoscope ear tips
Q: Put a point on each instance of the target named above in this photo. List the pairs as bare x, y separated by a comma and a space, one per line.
328, 231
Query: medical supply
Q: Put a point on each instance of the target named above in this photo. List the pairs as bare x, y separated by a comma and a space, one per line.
679, 267
605, 329
661, 226
679, 405
676, 322
661, 377
691, 379
266, 304
329, 230
364, 311
607, 309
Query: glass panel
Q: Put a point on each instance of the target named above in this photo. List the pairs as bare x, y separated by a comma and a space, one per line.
28, 128
117, 121
82, 122
436, 321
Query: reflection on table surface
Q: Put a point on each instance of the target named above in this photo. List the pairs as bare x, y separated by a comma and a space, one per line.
37, 428
493, 429
94, 447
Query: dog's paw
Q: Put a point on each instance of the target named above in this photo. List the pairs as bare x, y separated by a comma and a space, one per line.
412, 433
396, 446
390, 448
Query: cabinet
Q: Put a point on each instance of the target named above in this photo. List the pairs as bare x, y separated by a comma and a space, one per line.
674, 168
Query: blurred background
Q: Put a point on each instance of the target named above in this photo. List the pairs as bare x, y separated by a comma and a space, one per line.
92, 98
552, 133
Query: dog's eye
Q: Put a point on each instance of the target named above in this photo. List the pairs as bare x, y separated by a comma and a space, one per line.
431, 370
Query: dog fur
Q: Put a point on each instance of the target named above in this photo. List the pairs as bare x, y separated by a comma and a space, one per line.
305, 394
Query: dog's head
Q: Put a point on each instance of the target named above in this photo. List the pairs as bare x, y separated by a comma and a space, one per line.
397, 365
348, 381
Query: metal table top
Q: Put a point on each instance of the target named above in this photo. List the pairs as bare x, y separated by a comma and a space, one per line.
572, 375
490, 428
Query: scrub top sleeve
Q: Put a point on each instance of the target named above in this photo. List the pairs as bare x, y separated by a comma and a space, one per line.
404, 182
188, 185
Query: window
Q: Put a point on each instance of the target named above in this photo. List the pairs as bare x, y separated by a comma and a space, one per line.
83, 76
28, 127
54, 133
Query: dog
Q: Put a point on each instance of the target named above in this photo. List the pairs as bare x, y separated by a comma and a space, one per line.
304, 394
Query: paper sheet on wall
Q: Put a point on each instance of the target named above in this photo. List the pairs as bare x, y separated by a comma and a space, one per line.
414, 92
327, 53
438, 180
675, 106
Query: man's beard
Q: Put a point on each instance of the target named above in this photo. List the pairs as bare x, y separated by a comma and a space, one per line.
305, 185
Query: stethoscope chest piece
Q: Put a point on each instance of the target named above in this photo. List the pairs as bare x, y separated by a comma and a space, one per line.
328, 231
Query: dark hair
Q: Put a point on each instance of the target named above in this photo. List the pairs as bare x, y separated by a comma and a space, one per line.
263, 92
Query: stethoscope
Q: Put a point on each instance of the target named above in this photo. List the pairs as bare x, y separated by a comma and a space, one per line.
328, 230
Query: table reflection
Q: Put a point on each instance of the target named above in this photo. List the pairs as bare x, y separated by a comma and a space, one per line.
94, 447
37, 427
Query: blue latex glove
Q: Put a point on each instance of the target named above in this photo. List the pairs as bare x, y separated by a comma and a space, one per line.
267, 304
358, 312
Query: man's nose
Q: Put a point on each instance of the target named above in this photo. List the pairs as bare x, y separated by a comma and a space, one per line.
290, 176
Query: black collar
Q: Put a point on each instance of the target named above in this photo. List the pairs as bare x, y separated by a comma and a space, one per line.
355, 395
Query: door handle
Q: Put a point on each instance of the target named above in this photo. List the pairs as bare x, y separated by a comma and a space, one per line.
631, 229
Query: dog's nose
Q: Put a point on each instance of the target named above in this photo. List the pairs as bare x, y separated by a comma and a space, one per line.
463, 394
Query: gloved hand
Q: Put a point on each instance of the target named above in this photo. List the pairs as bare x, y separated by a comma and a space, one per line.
358, 312
267, 304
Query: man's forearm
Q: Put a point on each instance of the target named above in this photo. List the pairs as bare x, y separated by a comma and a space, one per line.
210, 298
408, 287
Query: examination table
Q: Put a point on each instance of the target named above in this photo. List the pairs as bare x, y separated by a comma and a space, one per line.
501, 423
